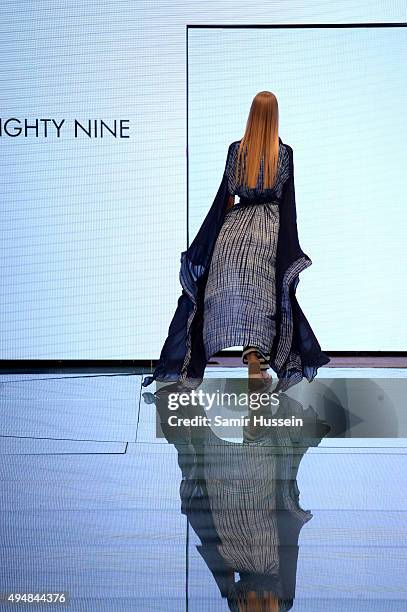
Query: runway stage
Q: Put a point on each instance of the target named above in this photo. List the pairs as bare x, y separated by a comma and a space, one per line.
91, 497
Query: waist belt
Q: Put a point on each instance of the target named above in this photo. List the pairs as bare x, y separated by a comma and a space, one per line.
251, 201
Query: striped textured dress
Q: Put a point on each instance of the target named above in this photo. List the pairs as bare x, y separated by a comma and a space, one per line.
240, 296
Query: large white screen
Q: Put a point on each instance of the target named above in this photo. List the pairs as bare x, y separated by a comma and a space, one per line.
92, 230
342, 102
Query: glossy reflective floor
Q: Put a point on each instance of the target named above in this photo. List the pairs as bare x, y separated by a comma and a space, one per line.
95, 505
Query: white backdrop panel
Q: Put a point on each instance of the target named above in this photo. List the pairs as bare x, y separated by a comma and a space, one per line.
342, 100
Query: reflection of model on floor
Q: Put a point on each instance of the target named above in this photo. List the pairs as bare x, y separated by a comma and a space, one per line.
242, 500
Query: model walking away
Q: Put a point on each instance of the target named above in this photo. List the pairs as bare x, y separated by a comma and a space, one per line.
239, 276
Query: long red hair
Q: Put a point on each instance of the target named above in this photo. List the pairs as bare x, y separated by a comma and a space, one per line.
260, 140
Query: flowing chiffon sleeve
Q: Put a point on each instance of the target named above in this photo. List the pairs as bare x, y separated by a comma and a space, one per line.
176, 362
195, 260
296, 353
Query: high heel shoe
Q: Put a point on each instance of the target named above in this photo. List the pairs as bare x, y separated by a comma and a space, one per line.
255, 384
254, 369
